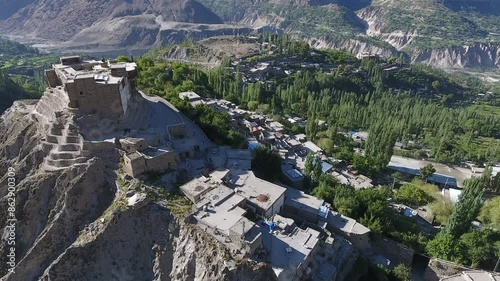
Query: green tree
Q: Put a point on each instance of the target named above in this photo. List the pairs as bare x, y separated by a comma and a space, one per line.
266, 163
123, 59
491, 183
445, 246
411, 195
317, 169
480, 250
252, 105
436, 85
327, 145
326, 189
441, 210
490, 213
374, 224
398, 177
309, 164
477, 248
467, 208
402, 272
380, 146
346, 205
427, 171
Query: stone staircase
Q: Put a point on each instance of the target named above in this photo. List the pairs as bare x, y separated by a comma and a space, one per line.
64, 147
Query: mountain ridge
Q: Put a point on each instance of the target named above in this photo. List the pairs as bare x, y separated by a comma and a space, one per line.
379, 26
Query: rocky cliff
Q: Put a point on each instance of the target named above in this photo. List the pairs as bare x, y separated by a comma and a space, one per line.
75, 223
374, 18
477, 56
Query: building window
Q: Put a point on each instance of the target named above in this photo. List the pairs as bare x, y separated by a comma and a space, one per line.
81, 93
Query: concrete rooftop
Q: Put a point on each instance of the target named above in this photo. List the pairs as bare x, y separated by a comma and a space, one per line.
346, 224
299, 200
250, 187
299, 241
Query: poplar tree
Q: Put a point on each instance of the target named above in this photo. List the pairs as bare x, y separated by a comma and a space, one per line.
467, 208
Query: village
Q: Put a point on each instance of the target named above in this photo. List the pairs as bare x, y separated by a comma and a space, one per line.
299, 235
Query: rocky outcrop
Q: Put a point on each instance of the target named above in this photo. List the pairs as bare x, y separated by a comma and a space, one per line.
146, 244
374, 19
75, 223
478, 55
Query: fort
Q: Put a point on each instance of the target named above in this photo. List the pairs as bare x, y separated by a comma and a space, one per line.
92, 107
94, 87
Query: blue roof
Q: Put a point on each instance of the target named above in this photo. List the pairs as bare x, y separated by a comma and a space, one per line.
325, 166
253, 145
294, 174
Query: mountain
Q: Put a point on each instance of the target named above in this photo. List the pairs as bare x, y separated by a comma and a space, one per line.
452, 33
104, 23
447, 33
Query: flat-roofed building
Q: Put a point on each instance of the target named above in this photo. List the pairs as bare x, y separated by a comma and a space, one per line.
293, 177
293, 143
358, 234
263, 197
302, 206
291, 253
193, 98
151, 159
311, 147
195, 189
221, 211
131, 145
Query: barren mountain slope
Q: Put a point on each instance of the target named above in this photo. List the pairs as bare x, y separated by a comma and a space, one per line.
62, 19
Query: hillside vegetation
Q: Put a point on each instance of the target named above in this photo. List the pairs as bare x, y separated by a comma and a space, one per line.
10, 92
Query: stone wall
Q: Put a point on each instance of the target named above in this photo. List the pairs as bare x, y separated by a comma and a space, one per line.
91, 97
52, 78
300, 214
134, 167
161, 162
98, 146
133, 145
